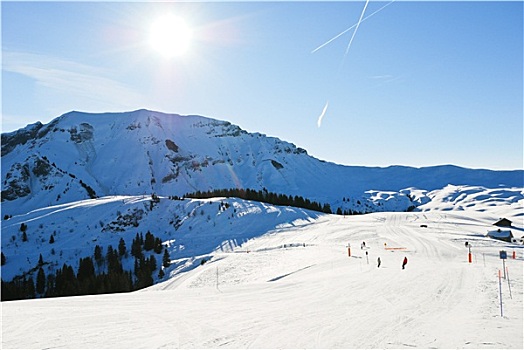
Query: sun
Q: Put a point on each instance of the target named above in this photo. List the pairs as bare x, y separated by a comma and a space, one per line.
170, 36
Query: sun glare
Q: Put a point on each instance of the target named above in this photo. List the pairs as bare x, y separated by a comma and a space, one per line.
170, 36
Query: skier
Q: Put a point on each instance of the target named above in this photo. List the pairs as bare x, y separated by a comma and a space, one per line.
378, 261
404, 262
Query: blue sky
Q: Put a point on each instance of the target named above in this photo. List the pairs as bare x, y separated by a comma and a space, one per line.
423, 83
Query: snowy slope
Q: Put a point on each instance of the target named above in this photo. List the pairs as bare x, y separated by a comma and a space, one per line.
297, 288
193, 229
80, 156
190, 229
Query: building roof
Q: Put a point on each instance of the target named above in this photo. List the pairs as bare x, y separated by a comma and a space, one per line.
500, 233
503, 222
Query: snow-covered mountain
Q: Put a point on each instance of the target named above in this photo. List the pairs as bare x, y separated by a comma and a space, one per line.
80, 156
88, 179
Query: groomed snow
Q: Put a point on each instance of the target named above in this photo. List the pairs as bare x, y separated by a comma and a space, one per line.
296, 287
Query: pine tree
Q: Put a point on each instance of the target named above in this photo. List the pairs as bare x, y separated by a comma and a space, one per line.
86, 276
3, 259
40, 260
152, 263
136, 269
66, 282
109, 254
86, 269
24, 237
113, 263
50, 286
98, 255
136, 247
51, 239
158, 246
149, 242
122, 247
40, 281
166, 260
144, 278
28, 288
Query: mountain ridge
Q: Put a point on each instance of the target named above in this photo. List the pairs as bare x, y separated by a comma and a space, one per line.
86, 155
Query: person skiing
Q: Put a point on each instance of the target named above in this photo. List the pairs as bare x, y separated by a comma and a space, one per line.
404, 262
378, 261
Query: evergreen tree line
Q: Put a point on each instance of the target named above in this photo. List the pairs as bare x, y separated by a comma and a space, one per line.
347, 212
264, 196
97, 274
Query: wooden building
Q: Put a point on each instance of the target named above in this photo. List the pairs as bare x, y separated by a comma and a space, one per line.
503, 223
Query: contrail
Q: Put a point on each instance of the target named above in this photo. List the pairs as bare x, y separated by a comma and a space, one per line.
353, 26
360, 20
319, 121
356, 28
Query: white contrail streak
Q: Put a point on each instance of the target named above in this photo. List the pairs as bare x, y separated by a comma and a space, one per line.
319, 121
356, 28
353, 26
360, 20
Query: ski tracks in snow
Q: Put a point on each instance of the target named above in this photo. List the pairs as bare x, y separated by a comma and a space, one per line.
318, 296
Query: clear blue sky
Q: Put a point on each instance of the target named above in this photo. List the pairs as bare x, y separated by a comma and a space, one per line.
423, 83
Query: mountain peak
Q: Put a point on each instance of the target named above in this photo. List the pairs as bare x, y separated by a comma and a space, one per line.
85, 155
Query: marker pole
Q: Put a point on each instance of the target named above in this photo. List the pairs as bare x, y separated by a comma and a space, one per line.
500, 293
509, 285
217, 280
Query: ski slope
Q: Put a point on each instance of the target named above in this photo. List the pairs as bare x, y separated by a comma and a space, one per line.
296, 287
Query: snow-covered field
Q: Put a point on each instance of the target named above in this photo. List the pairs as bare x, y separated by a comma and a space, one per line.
296, 287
